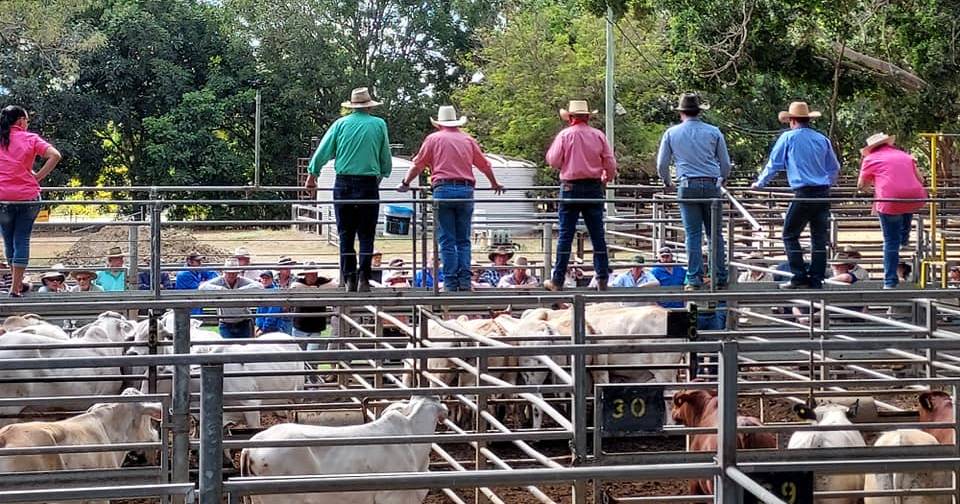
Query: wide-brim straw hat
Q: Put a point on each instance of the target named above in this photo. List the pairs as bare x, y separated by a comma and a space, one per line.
241, 252
690, 101
447, 116
500, 251
848, 255
576, 107
360, 98
797, 109
81, 272
115, 252
231, 265
877, 140
55, 272
312, 267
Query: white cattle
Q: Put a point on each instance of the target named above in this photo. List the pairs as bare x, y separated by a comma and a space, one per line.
829, 414
108, 328
30, 323
418, 417
166, 329
906, 481
109, 423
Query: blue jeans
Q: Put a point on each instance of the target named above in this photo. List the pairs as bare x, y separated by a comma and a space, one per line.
817, 215
696, 220
356, 221
569, 212
896, 233
232, 330
16, 225
454, 222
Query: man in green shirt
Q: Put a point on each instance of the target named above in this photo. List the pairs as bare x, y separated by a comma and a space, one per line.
360, 147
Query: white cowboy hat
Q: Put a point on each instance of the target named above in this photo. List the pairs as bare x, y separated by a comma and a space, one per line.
115, 252
360, 98
447, 116
576, 107
313, 267
241, 252
231, 265
797, 109
876, 140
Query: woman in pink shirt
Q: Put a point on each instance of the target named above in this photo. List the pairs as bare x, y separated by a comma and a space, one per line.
19, 184
894, 174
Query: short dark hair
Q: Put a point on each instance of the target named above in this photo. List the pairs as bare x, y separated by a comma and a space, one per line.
802, 120
691, 112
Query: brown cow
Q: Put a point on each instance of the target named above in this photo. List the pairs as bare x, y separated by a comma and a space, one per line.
698, 408
937, 406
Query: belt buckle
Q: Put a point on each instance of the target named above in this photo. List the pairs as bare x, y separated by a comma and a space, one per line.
566, 186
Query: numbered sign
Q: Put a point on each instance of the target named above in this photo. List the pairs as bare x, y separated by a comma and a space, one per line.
682, 323
630, 410
791, 487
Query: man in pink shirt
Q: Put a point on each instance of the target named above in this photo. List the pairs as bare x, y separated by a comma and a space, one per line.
586, 164
894, 174
451, 155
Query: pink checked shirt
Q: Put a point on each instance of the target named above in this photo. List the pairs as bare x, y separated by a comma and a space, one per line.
892, 172
450, 154
582, 152
17, 182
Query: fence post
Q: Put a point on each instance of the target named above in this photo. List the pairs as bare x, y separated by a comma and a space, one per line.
211, 433
579, 395
547, 250
713, 253
155, 255
725, 490
180, 417
133, 237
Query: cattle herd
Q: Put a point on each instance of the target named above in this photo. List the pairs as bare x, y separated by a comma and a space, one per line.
133, 419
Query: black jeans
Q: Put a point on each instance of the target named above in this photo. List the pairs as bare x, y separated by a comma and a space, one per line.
356, 220
817, 215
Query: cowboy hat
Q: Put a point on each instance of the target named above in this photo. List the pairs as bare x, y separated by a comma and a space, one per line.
576, 107
81, 272
447, 116
396, 262
665, 250
313, 267
797, 109
522, 261
115, 252
690, 101
231, 265
196, 256
286, 261
637, 260
241, 252
55, 272
849, 255
360, 98
500, 251
876, 140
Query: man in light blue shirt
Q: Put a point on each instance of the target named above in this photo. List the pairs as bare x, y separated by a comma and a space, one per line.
699, 152
812, 167
668, 274
636, 277
114, 278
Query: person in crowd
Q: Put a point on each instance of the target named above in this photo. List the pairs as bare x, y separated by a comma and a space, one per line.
894, 175
575, 276
376, 267
114, 277
191, 279
754, 276
637, 276
424, 277
843, 265
586, 164
244, 257
53, 280
285, 276
144, 274
234, 322
856, 268
20, 185
669, 274
904, 273
360, 147
396, 276
85, 281
264, 322
6, 276
307, 326
812, 167
451, 155
520, 277
953, 276
699, 152
499, 259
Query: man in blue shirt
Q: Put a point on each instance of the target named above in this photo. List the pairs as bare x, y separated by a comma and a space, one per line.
812, 167
192, 278
636, 277
669, 274
699, 152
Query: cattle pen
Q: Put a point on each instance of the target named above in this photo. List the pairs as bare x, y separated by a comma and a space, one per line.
881, 346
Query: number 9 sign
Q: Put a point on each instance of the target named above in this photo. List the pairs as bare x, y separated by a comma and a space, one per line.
791, 487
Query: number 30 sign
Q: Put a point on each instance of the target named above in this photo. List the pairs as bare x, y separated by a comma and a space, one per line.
630, 410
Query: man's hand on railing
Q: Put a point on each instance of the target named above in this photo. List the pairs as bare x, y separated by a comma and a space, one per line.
669, 188
311, 187
401, 187
498, 188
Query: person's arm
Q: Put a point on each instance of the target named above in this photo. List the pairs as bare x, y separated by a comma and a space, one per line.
52, 157
664, 155
723, 155
555, 153
386, 158
423, 159
324, 153
776, 163
833, 164
609, 161
866, 175
185, 280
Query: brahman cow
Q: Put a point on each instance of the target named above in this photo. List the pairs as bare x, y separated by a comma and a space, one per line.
32, 323
108, 328
829, 414
109, 423
418, 417
937, 406
698, 408
906, 481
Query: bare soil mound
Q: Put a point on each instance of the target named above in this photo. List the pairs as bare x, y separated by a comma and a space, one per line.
175, 245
